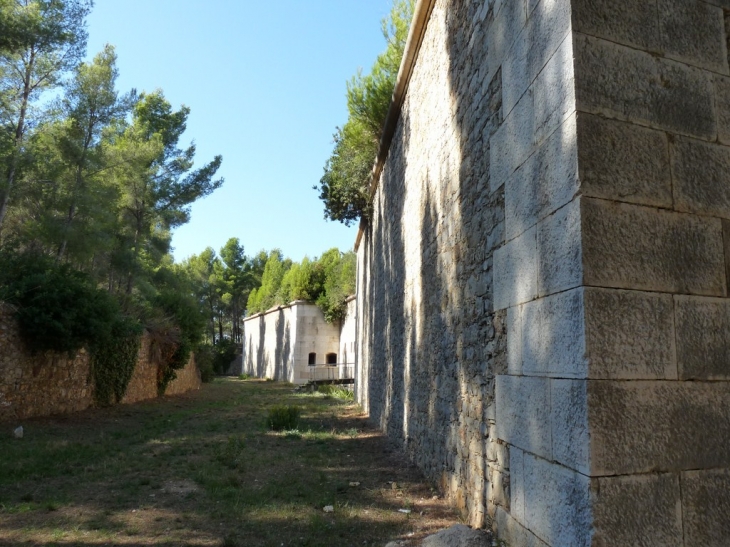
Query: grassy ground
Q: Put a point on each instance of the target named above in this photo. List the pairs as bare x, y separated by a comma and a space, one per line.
203, 469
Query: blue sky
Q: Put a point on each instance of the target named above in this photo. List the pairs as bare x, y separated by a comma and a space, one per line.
265, 82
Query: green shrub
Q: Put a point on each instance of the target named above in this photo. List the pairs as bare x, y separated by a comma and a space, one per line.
179, 331
204, 360
113, 361
223, 353
283, 418
58, 308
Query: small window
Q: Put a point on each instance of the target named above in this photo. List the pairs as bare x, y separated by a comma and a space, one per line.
312, 358
331, 358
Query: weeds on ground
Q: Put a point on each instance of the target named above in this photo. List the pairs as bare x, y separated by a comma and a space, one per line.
337, 392
283, 418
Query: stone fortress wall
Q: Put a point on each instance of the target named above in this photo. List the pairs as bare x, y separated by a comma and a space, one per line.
56, 383
277, 343
543, 315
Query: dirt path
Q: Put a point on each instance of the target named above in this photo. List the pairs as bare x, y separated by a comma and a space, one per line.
202, 469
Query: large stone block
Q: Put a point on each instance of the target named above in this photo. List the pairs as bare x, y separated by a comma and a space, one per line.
638, 510
620, 82
557, 503
631, 22
517, 483
645, 426
706, 507
633, 247
547, 180
701, 175
547, 26
553, 341
693, 31
722, 104
509, 21
569, 424
554, 92
515, 271
514, 340
703, 338
523, 413
629, 334
512, 143
560, 258
623, 162
514, 533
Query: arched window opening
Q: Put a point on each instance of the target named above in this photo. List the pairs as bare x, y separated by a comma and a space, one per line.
331, 358
312, 358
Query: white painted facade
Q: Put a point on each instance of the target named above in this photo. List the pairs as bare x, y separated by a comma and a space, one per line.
285, 341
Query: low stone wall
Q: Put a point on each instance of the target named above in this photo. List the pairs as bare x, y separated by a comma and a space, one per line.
143, 384
54, 383
42, 384
187, 379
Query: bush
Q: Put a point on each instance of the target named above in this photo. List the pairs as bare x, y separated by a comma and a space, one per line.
223, 353
204, 360
178, 332
283, 418
113, 361
58, 308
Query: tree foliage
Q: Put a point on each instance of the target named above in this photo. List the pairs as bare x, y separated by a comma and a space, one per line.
344, 186
326, 281
92, 183
49, 40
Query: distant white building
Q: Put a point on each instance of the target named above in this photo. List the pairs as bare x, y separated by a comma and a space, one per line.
295, 344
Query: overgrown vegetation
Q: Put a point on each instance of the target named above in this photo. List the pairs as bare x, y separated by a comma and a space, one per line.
345, 184
338, 392
113, 361
204, 469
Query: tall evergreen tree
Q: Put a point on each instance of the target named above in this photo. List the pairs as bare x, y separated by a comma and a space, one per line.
53, 42
157, 180
90, 104
344, 186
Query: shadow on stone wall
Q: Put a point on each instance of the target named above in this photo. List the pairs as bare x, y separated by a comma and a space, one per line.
434, 357
282, 353
261, 363
260, 354
387, 291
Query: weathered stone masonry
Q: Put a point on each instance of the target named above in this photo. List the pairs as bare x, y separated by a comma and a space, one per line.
543, 313
279, 343
41, 384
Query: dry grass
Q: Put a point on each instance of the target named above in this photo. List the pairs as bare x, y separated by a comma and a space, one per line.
203, 469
